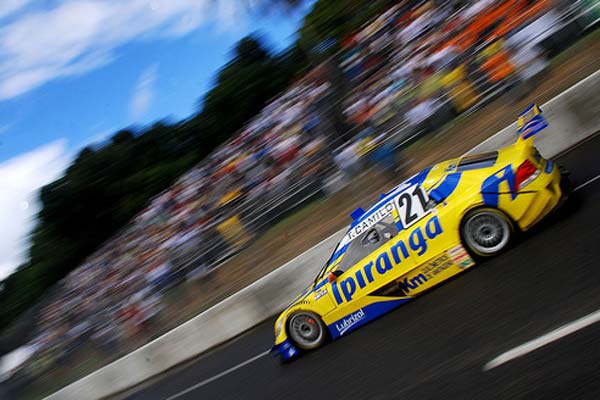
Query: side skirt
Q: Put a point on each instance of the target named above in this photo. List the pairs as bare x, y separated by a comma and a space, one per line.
362, 316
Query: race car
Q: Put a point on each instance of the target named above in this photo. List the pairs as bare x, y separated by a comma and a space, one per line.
424, 231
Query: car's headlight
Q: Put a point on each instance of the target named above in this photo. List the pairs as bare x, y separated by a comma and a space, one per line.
278, 327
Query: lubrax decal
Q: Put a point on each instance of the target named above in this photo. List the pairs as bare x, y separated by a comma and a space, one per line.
386, 261
348, 322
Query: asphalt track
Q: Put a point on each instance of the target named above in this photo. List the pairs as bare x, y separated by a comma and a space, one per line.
438, 346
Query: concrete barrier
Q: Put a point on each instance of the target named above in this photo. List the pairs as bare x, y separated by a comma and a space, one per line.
227, 319
573, 116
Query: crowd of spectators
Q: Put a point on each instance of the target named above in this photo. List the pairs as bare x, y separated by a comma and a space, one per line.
402, 68
443, 58
416, 67
117, 293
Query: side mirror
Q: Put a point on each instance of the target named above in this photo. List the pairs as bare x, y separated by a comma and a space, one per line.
333, 275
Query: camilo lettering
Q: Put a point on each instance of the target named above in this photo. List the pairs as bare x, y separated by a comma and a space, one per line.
370, 221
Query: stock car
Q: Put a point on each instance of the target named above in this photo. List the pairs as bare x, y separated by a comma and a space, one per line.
424, 231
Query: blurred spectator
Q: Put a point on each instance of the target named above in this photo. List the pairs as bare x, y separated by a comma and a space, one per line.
461, 91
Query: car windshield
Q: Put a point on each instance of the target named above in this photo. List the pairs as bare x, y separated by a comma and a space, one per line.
360, 246
324, 268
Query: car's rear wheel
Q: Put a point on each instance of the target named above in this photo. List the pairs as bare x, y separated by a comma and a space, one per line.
306, 330
486, 231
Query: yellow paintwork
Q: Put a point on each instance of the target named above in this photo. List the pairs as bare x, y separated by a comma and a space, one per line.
444, 255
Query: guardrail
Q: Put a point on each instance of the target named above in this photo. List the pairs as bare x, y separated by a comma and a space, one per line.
573, 116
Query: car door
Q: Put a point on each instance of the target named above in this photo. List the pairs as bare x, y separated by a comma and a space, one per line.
431, 231
373, 260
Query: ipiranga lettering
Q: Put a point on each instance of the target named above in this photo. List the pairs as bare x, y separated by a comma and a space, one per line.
387, 260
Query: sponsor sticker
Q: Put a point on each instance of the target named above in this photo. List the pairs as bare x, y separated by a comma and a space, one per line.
346, 323
320, 294
345, 289
459, 255
426, 273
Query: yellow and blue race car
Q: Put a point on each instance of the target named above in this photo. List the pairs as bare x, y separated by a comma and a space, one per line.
421, 233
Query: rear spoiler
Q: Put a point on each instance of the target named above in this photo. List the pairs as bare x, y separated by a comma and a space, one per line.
530, 122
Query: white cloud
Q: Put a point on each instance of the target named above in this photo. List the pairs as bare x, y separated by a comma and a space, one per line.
232, 14
76, 36
8, 7
143, 93
20, 179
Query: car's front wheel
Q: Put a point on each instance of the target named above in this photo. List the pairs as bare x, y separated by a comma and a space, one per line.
306, 330
486, 231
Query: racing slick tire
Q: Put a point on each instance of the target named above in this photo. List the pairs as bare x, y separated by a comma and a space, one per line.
306, 330
486, 232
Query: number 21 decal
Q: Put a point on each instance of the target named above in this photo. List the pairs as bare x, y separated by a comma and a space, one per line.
412, 205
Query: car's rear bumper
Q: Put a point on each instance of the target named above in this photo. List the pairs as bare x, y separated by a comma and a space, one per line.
551, 189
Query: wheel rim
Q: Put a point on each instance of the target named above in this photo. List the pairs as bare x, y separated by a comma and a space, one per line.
487, 232
305, 330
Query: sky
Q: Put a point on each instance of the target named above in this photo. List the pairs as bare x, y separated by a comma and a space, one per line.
73, 72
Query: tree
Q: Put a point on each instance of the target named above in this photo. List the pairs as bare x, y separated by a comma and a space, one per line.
106, 186
332, 21
242, 89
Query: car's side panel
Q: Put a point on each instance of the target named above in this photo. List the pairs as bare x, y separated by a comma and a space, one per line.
412, 282
428, 274
437, 232
368, 309
387, 263
439, 257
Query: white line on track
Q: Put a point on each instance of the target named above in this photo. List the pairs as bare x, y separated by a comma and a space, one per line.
549, 337
587, 183
220, 375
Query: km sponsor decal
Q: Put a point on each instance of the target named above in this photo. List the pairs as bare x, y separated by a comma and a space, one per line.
426, 273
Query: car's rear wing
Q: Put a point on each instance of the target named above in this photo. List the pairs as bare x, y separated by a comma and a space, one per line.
529, 123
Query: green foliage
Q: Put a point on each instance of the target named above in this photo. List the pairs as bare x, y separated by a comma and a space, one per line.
337, 20
105, 187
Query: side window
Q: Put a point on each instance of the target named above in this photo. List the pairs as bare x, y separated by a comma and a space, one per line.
368, 242
387, 228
